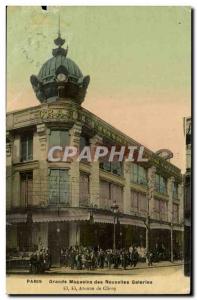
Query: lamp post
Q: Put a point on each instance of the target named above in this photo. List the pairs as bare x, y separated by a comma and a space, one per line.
171, 243
114, 208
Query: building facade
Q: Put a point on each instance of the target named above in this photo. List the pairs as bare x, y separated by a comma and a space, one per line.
61, 204
187, 197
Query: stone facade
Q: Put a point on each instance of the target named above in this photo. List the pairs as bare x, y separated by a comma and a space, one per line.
77, 121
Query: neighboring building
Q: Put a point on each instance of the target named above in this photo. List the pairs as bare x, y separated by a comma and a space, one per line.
60, 204
187, 198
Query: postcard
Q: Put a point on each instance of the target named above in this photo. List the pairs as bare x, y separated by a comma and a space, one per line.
98, 150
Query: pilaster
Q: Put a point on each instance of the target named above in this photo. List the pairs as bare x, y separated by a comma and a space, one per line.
126, 189
94, 177
74, 174
151, 189
170, 184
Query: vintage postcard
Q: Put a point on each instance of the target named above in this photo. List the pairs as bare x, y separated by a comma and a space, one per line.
98, 150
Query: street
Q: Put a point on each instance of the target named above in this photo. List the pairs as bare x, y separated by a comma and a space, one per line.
141, 268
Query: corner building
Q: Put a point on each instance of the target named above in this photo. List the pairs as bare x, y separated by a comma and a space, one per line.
62, 204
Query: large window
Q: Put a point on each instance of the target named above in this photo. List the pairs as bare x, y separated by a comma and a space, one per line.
26, 188
27, 147
58, 138
138, 174
84, 196
139, 202
58, 187
175, 190
161, 184
110, 193
160, 210
114, 167
175, 213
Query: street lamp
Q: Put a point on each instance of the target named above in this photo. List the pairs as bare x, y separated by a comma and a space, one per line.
114, 208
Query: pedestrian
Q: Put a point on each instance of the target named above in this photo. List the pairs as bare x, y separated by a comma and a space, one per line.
149, 256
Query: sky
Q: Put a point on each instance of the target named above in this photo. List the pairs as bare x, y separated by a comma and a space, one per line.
138, 59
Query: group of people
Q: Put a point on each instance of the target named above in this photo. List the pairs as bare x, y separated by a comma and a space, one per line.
81, 258
89, 258
40, 261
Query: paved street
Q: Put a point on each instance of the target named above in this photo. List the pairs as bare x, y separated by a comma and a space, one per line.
141, 268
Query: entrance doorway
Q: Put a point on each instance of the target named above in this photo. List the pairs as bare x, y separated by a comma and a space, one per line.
58, 239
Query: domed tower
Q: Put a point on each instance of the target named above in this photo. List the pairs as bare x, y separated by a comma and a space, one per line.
60, 77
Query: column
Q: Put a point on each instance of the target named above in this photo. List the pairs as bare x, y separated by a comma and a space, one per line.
74, 234
94, 177
16, 149
40, 176
74, 175
16, 190
150, 197
127, 189
170, 184
181, 201
40, 235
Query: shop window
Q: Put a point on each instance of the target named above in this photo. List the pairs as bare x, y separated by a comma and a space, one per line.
58, 187
26, 189
27, 147
84, 196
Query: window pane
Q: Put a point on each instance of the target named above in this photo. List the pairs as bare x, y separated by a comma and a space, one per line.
134, 201
105, 201
30, 148
53, 185
116, 195
27, 147
26, 188
64, 138
84, 190
142, 202
106, 166
116, 167
54, 138
63, 187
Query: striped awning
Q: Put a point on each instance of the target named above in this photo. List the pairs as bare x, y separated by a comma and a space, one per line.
61, 216
101, 218
16, 218
130, 221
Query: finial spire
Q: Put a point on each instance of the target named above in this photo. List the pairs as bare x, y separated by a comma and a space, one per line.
59, 33
59, 42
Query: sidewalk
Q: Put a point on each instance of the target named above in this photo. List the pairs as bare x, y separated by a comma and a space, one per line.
105, 271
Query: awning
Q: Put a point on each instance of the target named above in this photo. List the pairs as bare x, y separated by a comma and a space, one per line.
61, 216
159, 226
99, 218
130, 221
16, 218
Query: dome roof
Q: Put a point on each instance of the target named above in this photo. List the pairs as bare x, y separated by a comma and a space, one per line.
48, 70
60, 77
